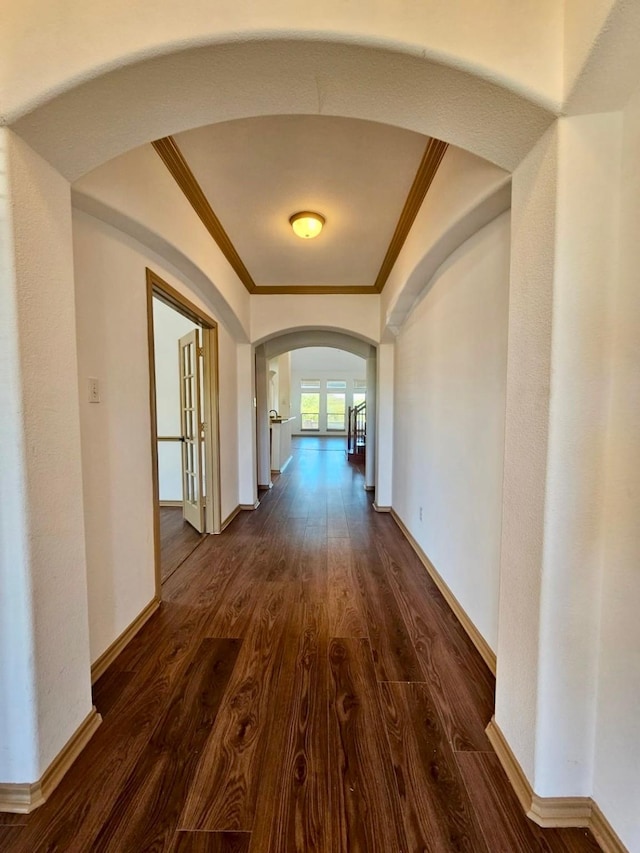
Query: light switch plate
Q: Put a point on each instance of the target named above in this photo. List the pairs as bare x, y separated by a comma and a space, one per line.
94, 391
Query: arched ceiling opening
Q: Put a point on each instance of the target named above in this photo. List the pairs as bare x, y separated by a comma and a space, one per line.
116, 111
137, 98
302, 338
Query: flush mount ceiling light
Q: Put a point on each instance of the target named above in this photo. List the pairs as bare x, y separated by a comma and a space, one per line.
306, 224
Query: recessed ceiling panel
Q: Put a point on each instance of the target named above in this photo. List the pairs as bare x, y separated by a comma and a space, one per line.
257, 172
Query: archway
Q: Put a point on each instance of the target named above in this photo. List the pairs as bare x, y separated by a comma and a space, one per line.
287, 341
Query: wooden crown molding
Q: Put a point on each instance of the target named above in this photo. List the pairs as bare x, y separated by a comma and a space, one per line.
431, 159
173, 158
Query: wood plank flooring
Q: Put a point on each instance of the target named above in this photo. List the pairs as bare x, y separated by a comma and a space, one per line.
178, 539
304, 688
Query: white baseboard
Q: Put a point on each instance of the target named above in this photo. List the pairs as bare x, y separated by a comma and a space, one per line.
553, 811
230, 517
23, 798
170, 503
250, 506
282, 467
119, 644
488, 655
379, 508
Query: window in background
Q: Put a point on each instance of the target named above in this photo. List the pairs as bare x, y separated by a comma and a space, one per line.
336, 404
310, 404
359, 391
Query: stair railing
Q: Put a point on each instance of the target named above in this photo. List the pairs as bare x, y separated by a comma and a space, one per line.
357, 431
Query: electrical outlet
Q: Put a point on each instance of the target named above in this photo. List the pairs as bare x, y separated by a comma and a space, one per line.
420, 513
94, 391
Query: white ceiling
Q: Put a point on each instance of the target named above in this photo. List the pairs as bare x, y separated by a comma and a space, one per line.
257, 172
327, 358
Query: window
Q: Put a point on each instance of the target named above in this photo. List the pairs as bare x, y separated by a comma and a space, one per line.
336, 404
359, 391
310, 404
324, 403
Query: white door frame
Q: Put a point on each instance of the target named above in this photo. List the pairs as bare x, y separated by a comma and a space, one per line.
157, 287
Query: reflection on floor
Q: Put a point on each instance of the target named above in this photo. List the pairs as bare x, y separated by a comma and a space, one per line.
304, 687
178, 539
319, 442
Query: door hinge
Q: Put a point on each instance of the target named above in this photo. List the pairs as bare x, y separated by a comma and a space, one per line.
201, 352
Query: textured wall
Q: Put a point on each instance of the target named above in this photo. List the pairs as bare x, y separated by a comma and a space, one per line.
356, 315
136, 194
466, 34
423, 66
116, 454
449, 421
617, 764
44, 663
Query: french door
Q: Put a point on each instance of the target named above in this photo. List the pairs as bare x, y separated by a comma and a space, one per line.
192, 428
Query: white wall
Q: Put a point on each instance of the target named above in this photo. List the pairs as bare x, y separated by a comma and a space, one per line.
135, 193
232, 451
44, 663
323, 363
284, 384
116, 452
168, 327
617, 759
466, 194
483, 39
450, 379
418, 65
356, 315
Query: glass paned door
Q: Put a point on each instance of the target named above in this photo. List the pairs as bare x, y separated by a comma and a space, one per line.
310, 404
191, 426
336, 404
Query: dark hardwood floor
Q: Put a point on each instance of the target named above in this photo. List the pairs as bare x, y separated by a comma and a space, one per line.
304, 687
178, 540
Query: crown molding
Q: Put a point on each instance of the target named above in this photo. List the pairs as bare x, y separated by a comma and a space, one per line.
431, 159
270, 290
173, 158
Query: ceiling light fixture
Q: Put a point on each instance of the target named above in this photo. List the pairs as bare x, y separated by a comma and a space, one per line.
306, 224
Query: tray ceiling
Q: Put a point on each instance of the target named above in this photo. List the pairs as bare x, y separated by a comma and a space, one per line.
246, 178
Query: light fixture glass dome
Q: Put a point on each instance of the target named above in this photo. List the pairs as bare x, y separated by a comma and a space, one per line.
307, 224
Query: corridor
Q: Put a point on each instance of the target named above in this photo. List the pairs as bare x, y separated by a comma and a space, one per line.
304, 687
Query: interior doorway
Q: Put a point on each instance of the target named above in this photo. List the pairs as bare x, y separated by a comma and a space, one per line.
309, 384
183, 372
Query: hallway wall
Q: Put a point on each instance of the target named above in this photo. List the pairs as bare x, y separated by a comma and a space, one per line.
450, 377
617, 739
111, 333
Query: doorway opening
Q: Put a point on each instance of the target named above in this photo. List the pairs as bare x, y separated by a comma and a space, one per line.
183, 396
311, 382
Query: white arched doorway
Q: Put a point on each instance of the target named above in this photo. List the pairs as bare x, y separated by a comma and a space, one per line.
292, 340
